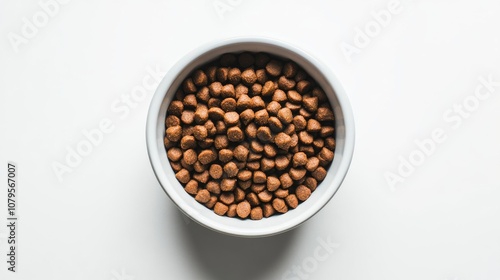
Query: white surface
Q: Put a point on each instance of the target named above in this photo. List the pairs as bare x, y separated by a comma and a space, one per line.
109, 218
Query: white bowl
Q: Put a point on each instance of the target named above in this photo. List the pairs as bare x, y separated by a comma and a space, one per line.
344, 127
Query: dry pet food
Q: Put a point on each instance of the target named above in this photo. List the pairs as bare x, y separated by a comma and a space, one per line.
250, 135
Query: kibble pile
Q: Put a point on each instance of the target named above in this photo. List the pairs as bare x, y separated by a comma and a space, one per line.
250, 135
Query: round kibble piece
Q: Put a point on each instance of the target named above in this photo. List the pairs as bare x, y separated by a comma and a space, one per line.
183, 176
174, 154
213, 187
220, 208
174, 133
190, 157
243, 209
283, 141
191, 187
227, 184
285, 115
273, 183
231, 169
274, 68
303, 192
207, 156
203, 196
231, 118
264, 134
279, 205
299, 159
248, 77
256, 213
292, 201
234, 134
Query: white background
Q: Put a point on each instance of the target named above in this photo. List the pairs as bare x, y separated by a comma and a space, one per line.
109, 218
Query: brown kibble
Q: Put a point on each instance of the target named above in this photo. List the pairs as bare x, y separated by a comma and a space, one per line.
253, 199
293, 106
245, 175
190, 101
290, 69
200, 78
299, 122
234, 76
261, 59
299, 159
265, 196
221, 142
231, 118
215, 89
256, 213
203, 94
311, 183
239, 195
279, 205
188, 86
203, 196
222, 74
241, 90
268, 210
234, 134
176, 166
320, 94
201, 114
213, 102
261, 117
310, 103
216, 171
220, 209
313, 125
187, 117
319, 174
292, 201
258, 188
216, 113
220, 127
275, 124
281, 193
244, 102
286, 84
227, 184
267, 164
318, 143
243, 209
211, 73
324, 114
294, 96
202, 177
258, 103
268, 89
174, 133
326, 155
289, 129
302, 192
330, 143
256, 89
269, 150
251, 130
211, 202
175, 108
273, 183
254, 156
274, 68
228, 104
312, 164
259, 177
198, 167
273, 107
174, 154
248, 77
285, 115
279, 96
200, 132
283, 141
245, 184
286, 180
264, 134
305, 137
308, 150
241, 153
303, 86
225, 155
231, 212
191, 187
256, 146
247, 116
297, 173
306, 114
282, 162
245, 59
326, 131
261, 76
228, 91
172, 121
231, 169
227, 198
213, 187
207, 156
190, 157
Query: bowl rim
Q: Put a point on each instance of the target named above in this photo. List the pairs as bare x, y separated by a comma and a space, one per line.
171, 76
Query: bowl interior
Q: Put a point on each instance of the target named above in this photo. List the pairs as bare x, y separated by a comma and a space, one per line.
267, 226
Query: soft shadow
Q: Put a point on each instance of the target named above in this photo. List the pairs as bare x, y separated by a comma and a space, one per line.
223, 257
